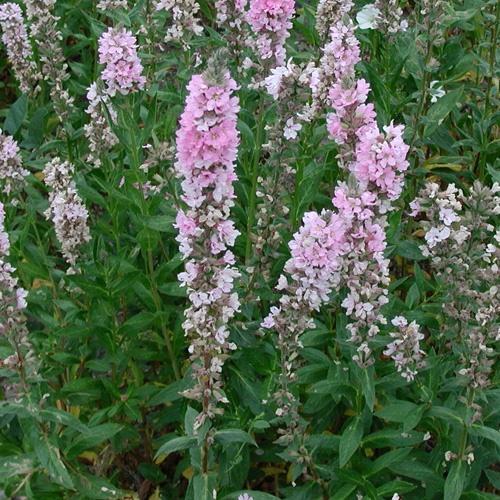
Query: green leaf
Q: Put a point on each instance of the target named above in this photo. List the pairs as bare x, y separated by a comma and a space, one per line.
204, 486
18, 465
226, 436
409, 250
389, 458
173, 289
176, 444
440, 110
350, 440
485, 432
62, 417
50, 459
368, 386
171, 393
162, 223
455, 481
397, 411
93, 437
138, 323
256, 495
16, 115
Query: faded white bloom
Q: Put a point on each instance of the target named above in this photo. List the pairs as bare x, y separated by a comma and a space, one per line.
368, 16
98, 131
436, 91
291, 129
245, 496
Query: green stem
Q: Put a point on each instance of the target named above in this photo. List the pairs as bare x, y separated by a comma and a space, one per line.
253, 193
157, 300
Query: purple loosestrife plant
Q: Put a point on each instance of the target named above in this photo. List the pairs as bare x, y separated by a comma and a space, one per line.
352, 239
207, 145
328, 13
19, 51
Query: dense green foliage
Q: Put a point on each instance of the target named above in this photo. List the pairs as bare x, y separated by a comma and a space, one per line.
104, 417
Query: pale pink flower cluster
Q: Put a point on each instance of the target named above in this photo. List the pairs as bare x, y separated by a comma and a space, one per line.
12, 173
364, 268
48, 39
98, 131
405, 350
390, 19
18, 47
66, 209
381, 159
123, 69
185, 19
207, 143
270, 21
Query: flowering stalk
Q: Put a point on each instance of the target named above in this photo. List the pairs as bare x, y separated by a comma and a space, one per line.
231, 13
289, 87
43, 29
12, 319
66, 210
336, 65
232, 18
18, 47
207, 143
463, 247
12, 173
